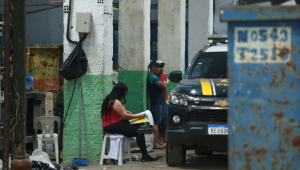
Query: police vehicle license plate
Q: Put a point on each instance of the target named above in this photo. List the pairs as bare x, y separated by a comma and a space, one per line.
217, 130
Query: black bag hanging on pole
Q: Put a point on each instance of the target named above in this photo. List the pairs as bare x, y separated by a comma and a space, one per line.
76, 64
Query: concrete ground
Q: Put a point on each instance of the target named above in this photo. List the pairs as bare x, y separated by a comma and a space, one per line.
217, 161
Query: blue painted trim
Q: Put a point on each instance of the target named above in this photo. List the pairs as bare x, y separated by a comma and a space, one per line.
251, 13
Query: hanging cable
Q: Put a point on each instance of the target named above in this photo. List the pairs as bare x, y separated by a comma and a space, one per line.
16, 110
68, 26
76, 64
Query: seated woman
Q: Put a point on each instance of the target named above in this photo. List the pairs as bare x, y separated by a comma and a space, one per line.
115, 119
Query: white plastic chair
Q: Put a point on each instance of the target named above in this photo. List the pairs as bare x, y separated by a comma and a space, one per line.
121, 155
47, 123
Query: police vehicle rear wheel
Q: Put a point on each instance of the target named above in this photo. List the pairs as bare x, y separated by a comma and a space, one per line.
175, 154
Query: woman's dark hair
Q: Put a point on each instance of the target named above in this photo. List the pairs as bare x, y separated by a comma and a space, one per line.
118, 92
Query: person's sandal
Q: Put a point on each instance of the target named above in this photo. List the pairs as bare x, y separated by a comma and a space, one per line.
115, 161
148, 158
158, 147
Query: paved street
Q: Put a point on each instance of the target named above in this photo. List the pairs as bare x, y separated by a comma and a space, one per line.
217, 161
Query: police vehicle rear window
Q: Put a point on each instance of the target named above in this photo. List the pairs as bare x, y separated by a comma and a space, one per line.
209, 65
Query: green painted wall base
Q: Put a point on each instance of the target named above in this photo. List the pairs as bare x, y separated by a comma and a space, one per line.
94, 90
136, 99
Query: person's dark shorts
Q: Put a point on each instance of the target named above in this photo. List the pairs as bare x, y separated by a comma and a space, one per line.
157, 112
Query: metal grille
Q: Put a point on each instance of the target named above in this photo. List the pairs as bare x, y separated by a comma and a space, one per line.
100, 1
66, 9
201, 103
208, 115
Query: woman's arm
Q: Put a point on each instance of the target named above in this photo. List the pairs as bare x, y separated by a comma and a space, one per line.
123, 113
129, 112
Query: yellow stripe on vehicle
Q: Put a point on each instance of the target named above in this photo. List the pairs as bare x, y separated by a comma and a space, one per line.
206, 87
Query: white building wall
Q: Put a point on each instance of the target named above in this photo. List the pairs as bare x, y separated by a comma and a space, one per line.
221, 27
171, 34
98, 44
200, 25
134, 35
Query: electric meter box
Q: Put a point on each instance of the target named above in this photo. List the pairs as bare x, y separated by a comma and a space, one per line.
83, 22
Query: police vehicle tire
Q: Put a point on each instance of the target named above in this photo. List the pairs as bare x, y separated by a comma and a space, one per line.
175, 154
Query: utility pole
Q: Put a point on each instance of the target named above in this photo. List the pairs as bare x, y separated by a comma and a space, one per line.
7, 54
19, 79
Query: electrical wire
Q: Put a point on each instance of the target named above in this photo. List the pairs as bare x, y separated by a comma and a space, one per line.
36, 11
37, 5
82, 38
68, 25
1, 90
16, 110
70, 102
41, 10
42, 5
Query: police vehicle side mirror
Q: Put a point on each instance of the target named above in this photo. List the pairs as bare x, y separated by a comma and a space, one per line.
175, 76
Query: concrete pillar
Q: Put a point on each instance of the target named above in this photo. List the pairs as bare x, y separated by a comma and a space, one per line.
221, 27
96, 84
200, 25
134, 51
171, 35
